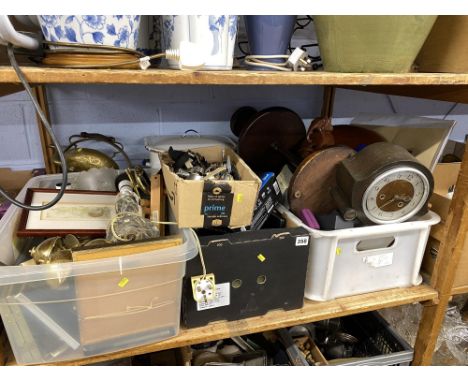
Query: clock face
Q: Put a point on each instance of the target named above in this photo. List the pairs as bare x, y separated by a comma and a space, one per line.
395, 195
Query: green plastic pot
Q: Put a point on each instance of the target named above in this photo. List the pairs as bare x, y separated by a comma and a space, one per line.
371, 44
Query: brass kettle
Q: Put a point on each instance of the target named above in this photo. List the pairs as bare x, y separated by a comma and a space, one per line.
82, 159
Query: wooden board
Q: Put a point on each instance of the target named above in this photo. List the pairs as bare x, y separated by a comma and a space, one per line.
445, 267
42, 75
456, 92
157, 203
313, 180
126, 249
48, 152
312, 311
460, 290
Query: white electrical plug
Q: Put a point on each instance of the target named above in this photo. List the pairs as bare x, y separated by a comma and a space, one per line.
189, 56
299, 60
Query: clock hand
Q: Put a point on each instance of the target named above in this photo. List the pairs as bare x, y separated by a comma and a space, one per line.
404, 198
385, 204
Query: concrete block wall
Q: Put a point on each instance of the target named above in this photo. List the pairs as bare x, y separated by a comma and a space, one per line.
131, 112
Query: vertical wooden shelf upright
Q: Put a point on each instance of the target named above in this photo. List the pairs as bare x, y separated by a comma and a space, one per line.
448, 87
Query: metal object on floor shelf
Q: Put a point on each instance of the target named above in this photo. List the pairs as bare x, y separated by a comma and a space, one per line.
293, 352
374, 342
379, 344
302, 330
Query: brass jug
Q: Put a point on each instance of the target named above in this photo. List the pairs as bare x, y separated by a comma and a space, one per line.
82, 159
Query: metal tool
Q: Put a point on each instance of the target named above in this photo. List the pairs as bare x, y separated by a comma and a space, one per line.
193, 166
294, 354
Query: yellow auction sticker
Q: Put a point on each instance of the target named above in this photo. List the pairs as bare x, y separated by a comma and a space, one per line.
123, 282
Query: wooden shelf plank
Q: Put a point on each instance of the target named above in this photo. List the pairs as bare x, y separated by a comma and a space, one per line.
460, 290
43, 75
449, 93
312, 311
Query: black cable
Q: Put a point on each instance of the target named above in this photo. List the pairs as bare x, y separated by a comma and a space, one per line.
299, 25
43, 118
244, 52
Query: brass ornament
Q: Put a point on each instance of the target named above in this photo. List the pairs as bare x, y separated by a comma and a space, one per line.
83, 159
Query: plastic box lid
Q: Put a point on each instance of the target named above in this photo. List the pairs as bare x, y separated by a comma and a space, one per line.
21, 274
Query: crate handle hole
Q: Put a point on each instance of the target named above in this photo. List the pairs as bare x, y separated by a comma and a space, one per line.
378, 243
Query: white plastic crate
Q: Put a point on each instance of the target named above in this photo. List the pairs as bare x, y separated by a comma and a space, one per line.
359, 260
67, 311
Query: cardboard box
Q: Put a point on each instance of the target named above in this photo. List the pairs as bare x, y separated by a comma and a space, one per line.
218, 203
13, 181
445, 48
445, 175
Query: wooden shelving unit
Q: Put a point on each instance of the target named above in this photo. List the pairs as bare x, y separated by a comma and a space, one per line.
312, 311
37, 75
449, 87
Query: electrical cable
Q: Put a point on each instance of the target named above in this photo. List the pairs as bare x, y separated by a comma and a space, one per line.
197, 241
187, 55
245, 53
299, 26
258, 60
48, 128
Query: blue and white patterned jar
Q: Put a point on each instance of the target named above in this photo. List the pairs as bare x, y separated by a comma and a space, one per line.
114, 30
214, 34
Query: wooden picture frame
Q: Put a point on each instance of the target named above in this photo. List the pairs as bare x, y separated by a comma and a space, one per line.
84, 213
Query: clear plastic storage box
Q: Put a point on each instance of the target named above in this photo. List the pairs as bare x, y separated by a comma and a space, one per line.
359, 260
67, 311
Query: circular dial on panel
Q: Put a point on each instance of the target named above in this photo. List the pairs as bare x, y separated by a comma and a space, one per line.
395, 195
